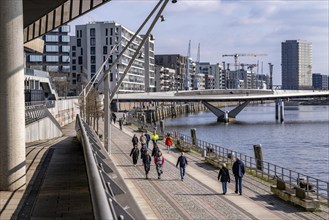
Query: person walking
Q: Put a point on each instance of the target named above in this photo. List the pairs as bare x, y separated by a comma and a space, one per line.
155, 150
143, 151
168, 142
147, 163
135, 140
148, 138
154, 138
238, 171
142, 139
182, 161
224, 177
114, 117
159, 160
134, 153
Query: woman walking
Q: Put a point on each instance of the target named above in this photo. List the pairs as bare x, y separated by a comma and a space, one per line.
134, 140
224, 177
134, 153
159, 160
147, 163
168, 142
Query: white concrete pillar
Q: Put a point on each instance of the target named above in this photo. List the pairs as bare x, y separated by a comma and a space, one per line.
12, 107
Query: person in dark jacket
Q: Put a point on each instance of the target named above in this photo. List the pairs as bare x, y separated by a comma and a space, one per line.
134, 153
134, 140
155, 150
182, 161
147, 163
224, 177
148, 138
143, 151
238, 171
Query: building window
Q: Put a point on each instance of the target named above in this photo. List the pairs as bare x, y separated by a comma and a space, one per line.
66, 69
111, 31
52, 68
105, 50
92, 59
73, 54
110, 40
92, 32
92, 50
80, 60
35, 58
65, 48
65, 59
65, 38
81, 51
93, 69
74, 61
92, 41
51, 48
51, 58
74, 82
65, 28
51, 38
79, 42
74, 48
106, 41
74, 75
74, 67
106, 32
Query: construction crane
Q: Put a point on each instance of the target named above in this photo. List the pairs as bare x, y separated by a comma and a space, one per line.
242, 55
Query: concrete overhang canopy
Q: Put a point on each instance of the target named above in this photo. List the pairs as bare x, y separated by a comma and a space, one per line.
42, 16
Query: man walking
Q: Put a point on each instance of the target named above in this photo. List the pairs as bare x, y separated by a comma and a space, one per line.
182, 161
238, 171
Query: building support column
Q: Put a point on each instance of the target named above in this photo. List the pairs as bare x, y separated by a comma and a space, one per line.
12, 107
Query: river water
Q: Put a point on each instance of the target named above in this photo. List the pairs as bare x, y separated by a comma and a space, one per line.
301, 143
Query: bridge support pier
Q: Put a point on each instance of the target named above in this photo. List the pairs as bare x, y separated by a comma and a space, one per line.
12, 109
281, 111
277, 110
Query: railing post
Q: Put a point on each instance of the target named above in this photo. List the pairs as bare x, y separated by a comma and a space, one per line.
307, 186
317, 189
290, 178
268, 171
282, 176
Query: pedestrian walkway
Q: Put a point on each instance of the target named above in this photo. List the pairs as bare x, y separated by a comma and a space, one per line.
57, 184
199, 196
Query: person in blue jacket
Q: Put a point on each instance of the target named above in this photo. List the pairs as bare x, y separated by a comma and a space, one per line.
238, 171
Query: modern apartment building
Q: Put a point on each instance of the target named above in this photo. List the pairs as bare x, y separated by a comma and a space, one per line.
164, 79
93, 45
176, 62
296, 58
55, 58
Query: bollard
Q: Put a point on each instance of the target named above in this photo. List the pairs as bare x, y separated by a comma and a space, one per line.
258, 156
193, 136
162, 126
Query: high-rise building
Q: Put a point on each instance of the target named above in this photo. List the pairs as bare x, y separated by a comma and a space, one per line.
92, 45
296, 58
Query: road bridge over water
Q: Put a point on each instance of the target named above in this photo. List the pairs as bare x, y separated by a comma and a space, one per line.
243, 97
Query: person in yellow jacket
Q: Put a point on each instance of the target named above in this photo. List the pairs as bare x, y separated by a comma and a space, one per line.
154, 138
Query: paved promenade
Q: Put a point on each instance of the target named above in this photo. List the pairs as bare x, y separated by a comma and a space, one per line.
199, 195
57, 187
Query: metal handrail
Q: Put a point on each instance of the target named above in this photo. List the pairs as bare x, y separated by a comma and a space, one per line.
101, 204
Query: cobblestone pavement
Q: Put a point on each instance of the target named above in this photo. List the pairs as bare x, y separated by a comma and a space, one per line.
199, 195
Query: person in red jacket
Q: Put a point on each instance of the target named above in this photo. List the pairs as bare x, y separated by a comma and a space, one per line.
168, 142
159, 160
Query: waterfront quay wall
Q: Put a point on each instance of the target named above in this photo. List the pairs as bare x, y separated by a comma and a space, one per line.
62, 113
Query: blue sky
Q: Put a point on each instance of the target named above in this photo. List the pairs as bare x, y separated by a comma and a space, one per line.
228, 27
